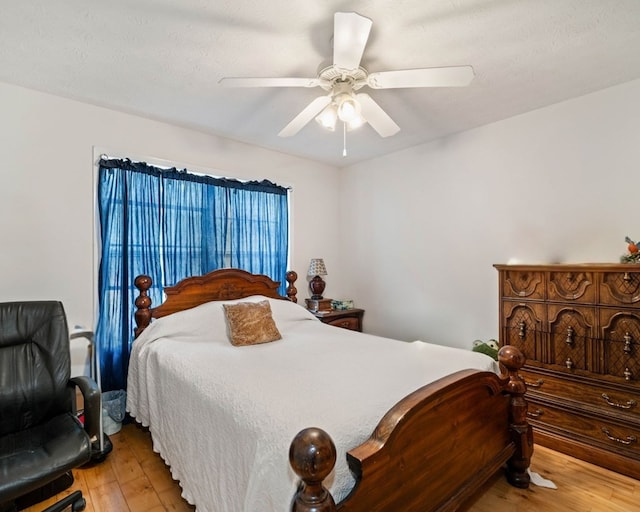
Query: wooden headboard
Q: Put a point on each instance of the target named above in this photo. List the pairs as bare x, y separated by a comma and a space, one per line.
222, 284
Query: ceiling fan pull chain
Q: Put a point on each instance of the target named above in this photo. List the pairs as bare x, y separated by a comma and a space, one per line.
344, 139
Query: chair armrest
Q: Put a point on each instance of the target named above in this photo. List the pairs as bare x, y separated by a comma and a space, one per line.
82, 334
92, 404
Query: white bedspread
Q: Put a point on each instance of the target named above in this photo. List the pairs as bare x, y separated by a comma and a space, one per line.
223, 417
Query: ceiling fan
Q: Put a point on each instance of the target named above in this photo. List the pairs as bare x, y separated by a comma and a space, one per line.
345, 77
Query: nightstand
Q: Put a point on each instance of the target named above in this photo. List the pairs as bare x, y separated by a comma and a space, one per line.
345, 318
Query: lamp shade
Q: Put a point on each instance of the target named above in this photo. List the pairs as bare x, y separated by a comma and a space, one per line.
317, 268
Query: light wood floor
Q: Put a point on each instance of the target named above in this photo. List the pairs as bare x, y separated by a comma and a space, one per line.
135, 479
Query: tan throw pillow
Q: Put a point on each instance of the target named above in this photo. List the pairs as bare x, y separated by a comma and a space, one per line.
250, 323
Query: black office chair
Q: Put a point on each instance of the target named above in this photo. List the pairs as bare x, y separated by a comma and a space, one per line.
41, 438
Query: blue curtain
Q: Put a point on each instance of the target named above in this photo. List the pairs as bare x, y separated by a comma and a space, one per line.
257, 231
172, 224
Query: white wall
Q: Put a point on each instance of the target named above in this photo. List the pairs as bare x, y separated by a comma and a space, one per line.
425, 225
47, 147
560, 184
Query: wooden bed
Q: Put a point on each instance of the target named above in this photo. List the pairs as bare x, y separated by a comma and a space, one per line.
432, 451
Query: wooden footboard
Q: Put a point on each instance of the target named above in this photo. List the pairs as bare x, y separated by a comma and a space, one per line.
432, 451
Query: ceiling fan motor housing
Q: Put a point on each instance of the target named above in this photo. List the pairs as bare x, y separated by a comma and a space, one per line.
333, 75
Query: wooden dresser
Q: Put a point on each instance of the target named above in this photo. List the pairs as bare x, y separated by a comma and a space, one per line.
579, 327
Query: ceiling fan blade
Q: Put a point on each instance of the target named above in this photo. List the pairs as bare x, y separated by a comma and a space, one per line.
376, 117
456, 76
270, 82
307, 114
350, 35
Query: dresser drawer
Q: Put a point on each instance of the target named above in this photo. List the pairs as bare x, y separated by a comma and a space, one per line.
597, 398
346, 323
572, 285
621, 288
345, 318
620, 335
523, 284
523, 327
571, 331
618, 437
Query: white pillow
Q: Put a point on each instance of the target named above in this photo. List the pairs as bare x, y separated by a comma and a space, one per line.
285, 310
207, 321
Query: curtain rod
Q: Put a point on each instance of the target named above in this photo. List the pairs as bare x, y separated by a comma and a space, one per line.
104, 156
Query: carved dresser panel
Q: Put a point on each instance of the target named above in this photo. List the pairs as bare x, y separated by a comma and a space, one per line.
579, 327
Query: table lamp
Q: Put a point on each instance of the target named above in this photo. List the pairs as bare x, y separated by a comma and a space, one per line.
317, 269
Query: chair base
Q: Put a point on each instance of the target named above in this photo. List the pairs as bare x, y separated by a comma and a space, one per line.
8, 507
46, 491
74, 500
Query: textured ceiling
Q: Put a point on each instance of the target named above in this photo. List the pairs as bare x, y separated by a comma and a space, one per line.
163, 59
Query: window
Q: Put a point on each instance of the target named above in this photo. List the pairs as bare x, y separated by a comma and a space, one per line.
172, 224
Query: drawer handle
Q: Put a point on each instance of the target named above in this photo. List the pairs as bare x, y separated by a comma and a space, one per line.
535, 414
522, 332
626, 277
568, 363
570, 334
627, 343
629, 440
627, 374
628, 405
536, 384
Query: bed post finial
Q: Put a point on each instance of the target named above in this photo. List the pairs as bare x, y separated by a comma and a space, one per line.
312, 456
292, 291
517, 475
143, 304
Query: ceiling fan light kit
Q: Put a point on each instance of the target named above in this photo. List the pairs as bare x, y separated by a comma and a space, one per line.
346, 76
344, 107
349, 109
328, 117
